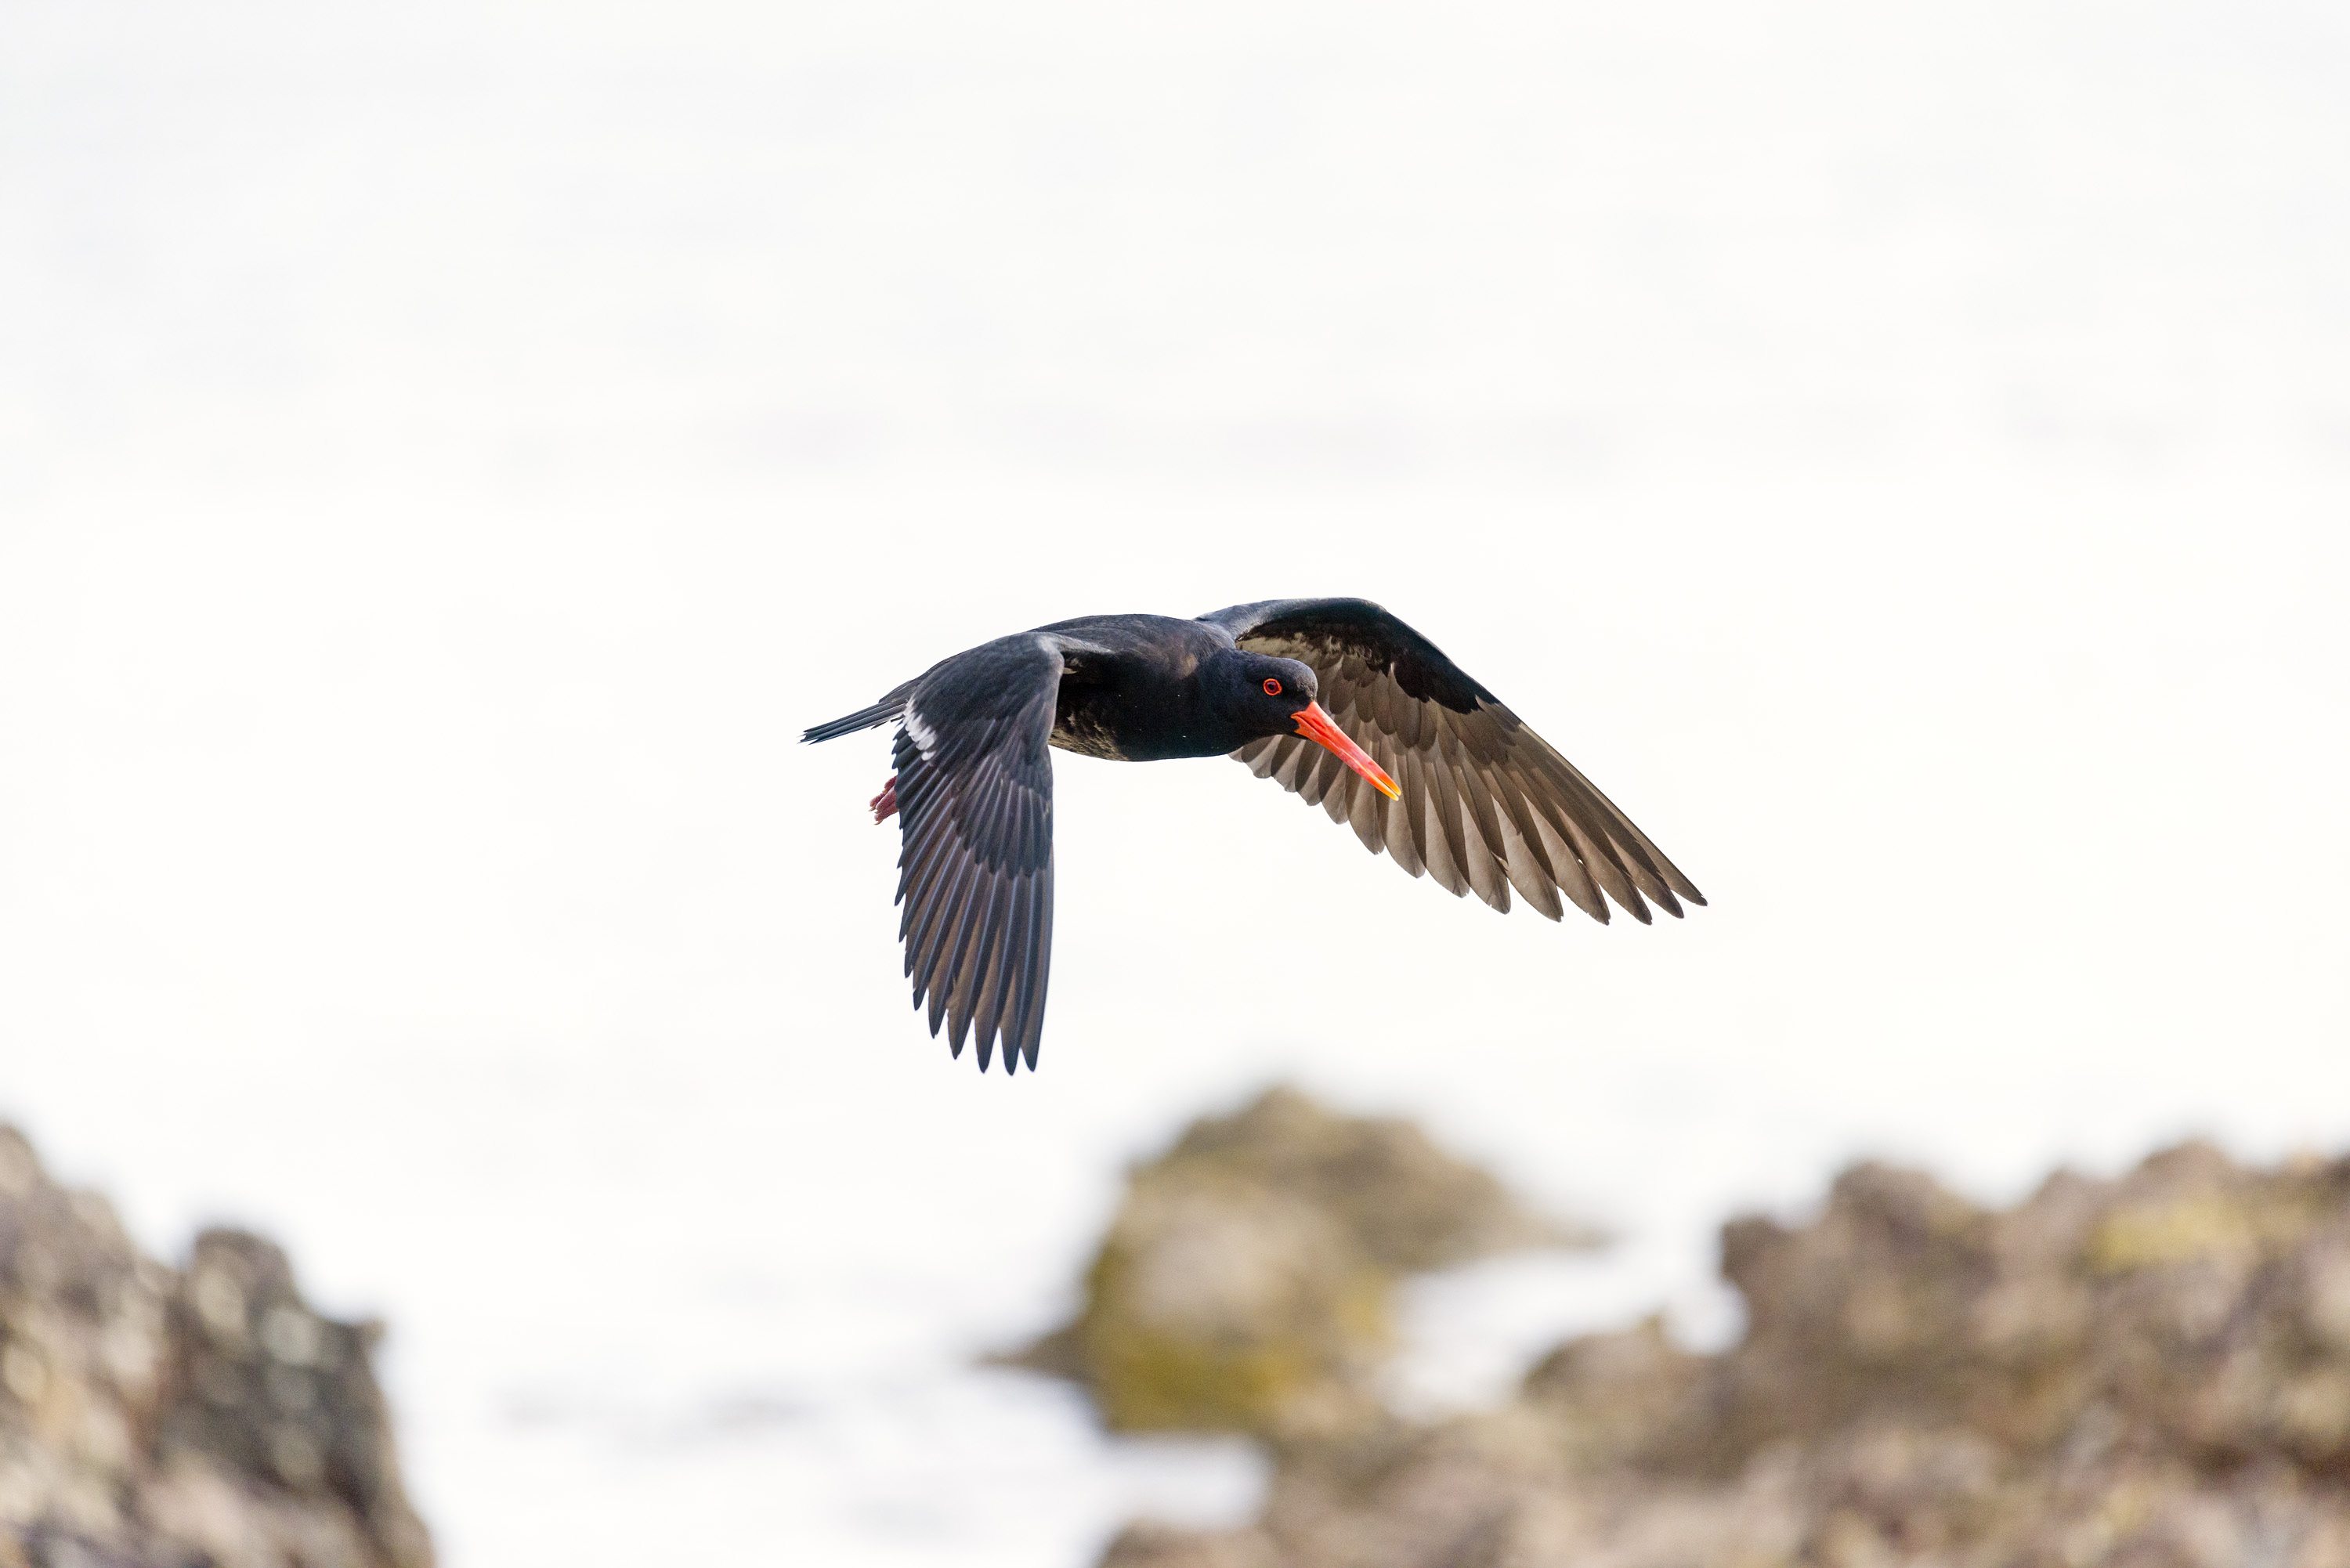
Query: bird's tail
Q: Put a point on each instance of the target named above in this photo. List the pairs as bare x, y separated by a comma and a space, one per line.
881, 712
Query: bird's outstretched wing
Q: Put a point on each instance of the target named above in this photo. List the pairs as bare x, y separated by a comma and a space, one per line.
975, 791
1487, 803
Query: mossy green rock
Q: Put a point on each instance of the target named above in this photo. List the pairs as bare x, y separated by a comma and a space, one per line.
1219, 1306
1246, 1284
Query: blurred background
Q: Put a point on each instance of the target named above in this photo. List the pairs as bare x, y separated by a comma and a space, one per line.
448, 451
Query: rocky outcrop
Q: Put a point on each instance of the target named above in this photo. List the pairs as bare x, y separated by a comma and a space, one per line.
2153, 1371
1245, 1283
193, 1417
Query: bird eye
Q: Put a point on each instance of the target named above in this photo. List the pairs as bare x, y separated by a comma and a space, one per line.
1273, 686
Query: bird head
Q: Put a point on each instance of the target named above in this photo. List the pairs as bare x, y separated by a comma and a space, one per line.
1263, 696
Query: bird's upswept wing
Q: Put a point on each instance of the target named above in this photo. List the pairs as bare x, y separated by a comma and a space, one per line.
975, 791
1487, 803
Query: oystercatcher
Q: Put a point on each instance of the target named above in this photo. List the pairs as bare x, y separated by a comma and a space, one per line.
1416, 755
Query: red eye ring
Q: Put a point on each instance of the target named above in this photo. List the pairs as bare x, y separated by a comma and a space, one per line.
1273, 686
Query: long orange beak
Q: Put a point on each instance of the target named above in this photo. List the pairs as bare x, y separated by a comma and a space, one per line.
1316, 725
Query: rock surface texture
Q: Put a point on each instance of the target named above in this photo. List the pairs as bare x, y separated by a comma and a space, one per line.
1245, 1283
197, 1417
2152, 1372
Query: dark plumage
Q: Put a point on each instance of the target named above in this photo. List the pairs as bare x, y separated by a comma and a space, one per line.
1419, 758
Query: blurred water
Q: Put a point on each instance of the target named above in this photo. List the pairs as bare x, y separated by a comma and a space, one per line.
447, 453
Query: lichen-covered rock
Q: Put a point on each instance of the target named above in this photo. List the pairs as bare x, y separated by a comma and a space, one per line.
2152, 1372
153, 1417
1408, 1204
1245, 1283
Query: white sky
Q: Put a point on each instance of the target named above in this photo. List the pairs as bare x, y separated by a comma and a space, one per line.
448, 451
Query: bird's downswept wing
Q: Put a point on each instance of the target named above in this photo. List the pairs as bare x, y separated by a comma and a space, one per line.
974, 791
1487, 803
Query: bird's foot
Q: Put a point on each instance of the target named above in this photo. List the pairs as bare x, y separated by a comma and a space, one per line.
885, 805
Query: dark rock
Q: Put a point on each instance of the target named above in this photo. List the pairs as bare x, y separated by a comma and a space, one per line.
153, 1417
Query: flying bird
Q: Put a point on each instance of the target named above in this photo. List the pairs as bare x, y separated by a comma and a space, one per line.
1411, 751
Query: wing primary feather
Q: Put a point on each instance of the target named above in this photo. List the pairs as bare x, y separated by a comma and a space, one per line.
1032, 1032
1596, 820
1475, 791
919, 861
1446, 796
1590, 840
1392, 812
1295, 766
1025, 963
1363, 815
957, 980
921, 827
960, 917
1621, 825
1510, 791
995, 1007
1531, 880
1529, 865
988, 974
1001, 1004
1023, 982
1339, 804
1574, 880
941, 917
985, 988
915, 886
932, 899
1402, 831
941, 928
1434, 848
1326, 768
943, 943
1486, 876
988, 966
970, 979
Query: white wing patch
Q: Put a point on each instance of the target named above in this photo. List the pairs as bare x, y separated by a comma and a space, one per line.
925, 738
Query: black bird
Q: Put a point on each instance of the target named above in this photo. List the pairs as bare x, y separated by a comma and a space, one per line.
1416, 755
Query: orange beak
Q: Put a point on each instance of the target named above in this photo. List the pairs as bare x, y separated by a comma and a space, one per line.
1317, 726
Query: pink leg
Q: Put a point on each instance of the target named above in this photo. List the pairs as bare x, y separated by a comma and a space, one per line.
885, 805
